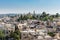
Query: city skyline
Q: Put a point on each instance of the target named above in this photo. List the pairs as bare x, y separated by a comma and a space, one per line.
25, 6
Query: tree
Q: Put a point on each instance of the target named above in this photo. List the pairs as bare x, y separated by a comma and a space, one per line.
11, 34
51, 18
44, 19
51, 34
1, 35
44, 14
33, 17
20, 18
16, 34
57, 14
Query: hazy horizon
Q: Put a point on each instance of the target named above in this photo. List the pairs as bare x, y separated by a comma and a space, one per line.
25, 6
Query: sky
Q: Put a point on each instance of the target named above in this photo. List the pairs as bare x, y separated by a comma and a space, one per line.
25, 6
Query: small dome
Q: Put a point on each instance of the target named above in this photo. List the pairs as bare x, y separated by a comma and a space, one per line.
40, 37
47, 36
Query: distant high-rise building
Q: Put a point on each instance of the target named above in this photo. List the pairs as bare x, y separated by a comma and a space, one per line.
34, 12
